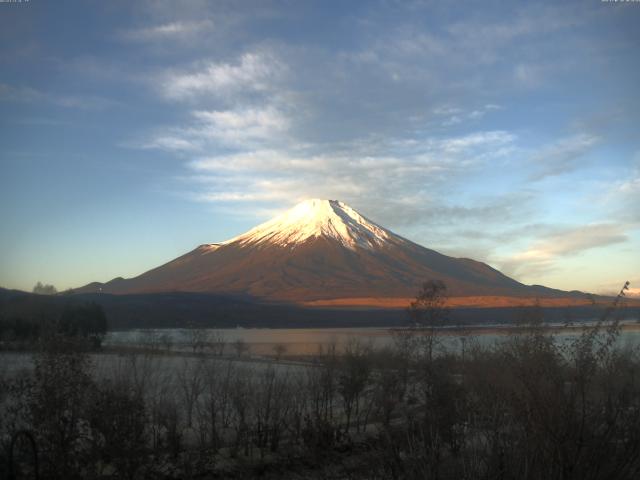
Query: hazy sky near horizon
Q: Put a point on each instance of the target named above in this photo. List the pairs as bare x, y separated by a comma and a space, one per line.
130, 132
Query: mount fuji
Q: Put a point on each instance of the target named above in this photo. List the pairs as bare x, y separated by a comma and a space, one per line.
322, 252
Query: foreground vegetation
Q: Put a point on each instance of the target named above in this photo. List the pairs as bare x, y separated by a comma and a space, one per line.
530, 407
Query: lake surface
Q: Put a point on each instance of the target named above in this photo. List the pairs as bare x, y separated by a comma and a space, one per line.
308, 341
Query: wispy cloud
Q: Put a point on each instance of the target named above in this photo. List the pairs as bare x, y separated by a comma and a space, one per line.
454, 115
265, 161
254, 71
478, 140
32, 95
575, 240
269, 143
623, 196
167, 31
564, 155
240, 126
166, 142
402, 186
541, 256
529, 75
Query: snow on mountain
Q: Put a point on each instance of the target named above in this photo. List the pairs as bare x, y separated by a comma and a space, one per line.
209, 247
320, 249
318, 218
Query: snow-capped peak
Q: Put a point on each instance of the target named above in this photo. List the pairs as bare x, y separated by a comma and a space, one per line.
317, 218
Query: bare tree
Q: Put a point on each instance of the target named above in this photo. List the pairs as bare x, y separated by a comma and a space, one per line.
353, 375
389, 385
166, 341
209, 408
59, 402
118, 421
191, 386
198, 338
279, 350
269, 409
218, 342
240, 347
428, 312
240, 396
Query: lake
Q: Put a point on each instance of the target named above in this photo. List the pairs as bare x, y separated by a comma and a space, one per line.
307, 341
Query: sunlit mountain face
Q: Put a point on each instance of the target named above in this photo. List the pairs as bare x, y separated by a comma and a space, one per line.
320, 250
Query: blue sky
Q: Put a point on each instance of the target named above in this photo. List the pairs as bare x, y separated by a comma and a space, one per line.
130, 132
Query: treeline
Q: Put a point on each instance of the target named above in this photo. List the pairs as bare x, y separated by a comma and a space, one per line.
25, 329
177, 309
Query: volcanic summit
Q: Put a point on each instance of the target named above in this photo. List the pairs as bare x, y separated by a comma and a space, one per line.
319, 251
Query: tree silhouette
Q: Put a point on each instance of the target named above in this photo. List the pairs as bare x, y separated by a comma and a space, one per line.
428, 312
47, 289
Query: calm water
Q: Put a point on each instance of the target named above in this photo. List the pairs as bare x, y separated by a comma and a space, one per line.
262, 341
306, 341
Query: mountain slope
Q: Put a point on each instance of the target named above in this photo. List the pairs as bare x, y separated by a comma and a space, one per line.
320, 249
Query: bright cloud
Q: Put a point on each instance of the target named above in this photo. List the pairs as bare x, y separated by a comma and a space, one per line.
168, 31
239, 126
542, 254
253, 71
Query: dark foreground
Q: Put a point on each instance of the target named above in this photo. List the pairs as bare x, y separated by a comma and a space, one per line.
528, 408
